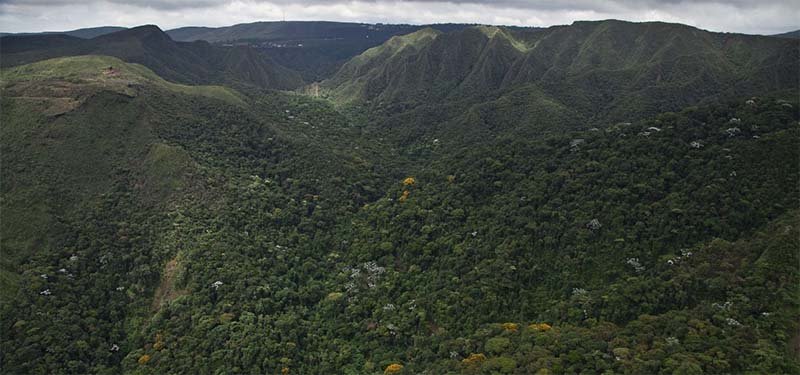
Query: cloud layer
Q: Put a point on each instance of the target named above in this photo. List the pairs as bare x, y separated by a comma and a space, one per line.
753, 17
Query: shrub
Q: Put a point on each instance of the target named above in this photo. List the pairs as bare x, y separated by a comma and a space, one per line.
505, 365
497, 344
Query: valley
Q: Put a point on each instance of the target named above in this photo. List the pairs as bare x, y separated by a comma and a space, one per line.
601, 197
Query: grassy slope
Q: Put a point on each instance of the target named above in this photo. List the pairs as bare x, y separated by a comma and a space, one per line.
92, 73
351, 80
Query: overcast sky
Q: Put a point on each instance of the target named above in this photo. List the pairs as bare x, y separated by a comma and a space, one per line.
751, 16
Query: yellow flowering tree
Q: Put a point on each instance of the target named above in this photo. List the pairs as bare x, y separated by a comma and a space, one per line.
473, 362
159, 343
510, 327
394, 368
540, 327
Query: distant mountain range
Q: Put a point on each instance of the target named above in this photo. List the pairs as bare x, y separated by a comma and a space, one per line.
285, 55
285, 31
86, 33
315, 49
791, 34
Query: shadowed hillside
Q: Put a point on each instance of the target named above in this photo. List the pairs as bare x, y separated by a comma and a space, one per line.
195, 63
316, 49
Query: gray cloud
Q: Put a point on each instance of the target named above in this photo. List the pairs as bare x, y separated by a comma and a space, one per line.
169, 4
751, 16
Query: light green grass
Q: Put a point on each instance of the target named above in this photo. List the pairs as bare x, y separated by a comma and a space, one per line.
494, 31
93, 70
397, 43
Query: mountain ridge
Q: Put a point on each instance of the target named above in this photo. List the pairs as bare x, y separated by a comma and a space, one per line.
585, 56
789, 34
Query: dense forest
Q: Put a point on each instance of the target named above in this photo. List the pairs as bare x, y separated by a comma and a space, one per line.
471, 222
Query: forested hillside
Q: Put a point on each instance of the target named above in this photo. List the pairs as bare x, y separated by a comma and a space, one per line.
479, 201
604, 71
187, 63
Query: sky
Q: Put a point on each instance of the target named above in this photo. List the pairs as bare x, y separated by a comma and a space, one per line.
742, 16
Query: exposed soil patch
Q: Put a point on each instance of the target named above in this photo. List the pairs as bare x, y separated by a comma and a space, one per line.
110, 72
166, 289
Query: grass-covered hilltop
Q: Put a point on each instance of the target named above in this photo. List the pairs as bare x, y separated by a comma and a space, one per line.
604, 197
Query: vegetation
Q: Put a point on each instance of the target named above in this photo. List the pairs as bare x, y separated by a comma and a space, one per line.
150, 227
605, 71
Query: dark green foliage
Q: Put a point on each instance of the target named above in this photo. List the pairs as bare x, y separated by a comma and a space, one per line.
204, 234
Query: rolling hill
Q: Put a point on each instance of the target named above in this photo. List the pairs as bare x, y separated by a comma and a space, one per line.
79, 161
196, 62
